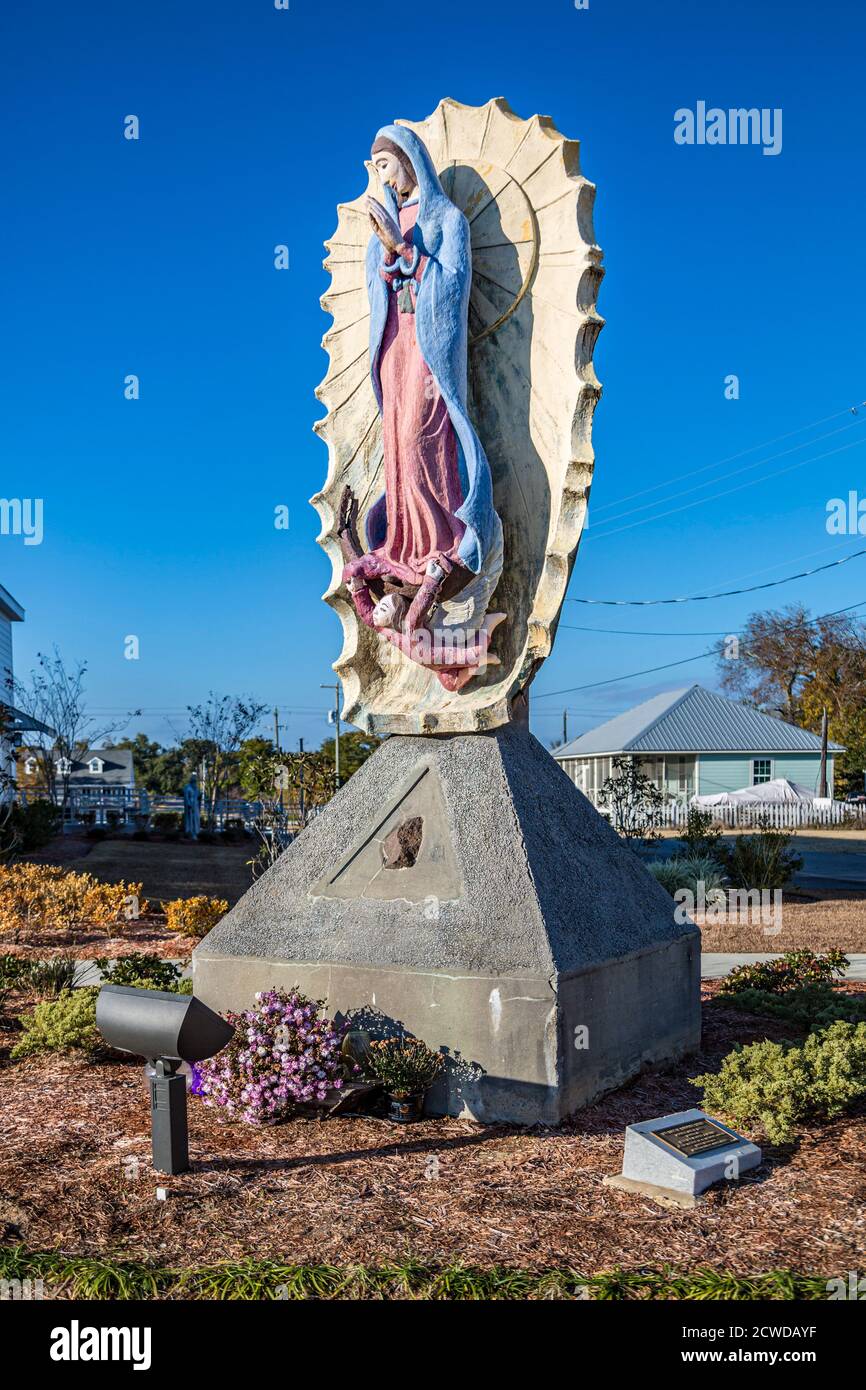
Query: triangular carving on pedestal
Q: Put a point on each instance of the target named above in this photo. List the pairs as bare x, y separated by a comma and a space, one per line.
363, 872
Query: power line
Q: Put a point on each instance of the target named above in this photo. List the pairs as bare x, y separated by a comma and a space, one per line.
548, 694
687, 506
693, 473
721, 632
807, 444
635, 632
726, 593
711, 651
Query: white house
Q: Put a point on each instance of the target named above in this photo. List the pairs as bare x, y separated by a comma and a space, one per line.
96, 770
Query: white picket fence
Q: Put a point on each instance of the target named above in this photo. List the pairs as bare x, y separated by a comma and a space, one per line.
788, 815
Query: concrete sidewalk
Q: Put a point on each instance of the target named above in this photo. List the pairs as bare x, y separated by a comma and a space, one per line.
716, 964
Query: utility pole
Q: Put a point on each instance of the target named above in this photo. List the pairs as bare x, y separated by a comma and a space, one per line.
336, 689
565, 726
277, 749
302, 804
822, 785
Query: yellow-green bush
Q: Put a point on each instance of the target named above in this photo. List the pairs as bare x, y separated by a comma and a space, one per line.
68, 1022
195, 916
64, 1024
782, 1084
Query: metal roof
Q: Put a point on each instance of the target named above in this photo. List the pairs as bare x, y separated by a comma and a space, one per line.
15, 721
10, 607
117, 770
693, 720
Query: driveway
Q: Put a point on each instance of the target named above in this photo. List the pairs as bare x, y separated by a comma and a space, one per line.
836, 866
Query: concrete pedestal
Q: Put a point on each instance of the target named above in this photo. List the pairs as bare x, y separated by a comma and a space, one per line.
518, 933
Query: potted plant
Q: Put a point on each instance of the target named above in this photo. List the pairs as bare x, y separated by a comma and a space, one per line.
406, 1068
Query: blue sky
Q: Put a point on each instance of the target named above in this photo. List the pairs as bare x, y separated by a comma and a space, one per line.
155, 257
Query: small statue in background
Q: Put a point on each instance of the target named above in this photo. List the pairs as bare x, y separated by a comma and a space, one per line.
192, 808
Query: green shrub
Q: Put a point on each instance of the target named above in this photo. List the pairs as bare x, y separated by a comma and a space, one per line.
33, 826
763, 860
51, 977
166, 820
144, 971
790, 971
13, 970
812, 1006
688, 872
780, 1085
65, 1024
701, 834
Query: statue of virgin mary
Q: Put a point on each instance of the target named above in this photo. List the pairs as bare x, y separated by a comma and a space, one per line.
434, 540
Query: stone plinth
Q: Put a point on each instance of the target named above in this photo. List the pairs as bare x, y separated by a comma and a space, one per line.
659, 1158
518, 932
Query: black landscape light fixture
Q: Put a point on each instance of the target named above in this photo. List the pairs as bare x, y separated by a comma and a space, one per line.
166, 1029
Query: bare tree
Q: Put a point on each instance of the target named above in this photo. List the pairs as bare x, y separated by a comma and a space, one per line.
221, 725
792, 665
55, 698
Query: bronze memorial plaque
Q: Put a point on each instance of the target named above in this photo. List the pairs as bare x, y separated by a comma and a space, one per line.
695, 1137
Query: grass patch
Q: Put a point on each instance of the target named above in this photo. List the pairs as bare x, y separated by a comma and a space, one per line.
95, 1277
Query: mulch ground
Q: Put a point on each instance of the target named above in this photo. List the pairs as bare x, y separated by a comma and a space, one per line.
149, 935
348, 1190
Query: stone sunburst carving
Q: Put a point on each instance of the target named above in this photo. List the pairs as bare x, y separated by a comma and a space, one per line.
532, 391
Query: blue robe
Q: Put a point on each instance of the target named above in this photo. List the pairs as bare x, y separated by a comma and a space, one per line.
442, 235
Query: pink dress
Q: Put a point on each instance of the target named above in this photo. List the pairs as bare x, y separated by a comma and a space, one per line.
422, 483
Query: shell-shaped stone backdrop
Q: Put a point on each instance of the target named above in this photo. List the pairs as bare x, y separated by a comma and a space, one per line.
532, 391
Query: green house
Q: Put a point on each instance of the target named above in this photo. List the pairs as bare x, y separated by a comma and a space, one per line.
693, 742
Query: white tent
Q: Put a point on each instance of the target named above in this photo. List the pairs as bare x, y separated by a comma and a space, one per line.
772, 793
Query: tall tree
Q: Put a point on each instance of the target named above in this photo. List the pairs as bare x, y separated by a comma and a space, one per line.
145, 757
795, 666
355, 749
774, 658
